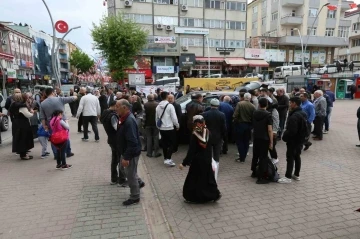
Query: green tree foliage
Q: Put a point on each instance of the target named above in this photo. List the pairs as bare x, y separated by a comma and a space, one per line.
119, 41
81, 61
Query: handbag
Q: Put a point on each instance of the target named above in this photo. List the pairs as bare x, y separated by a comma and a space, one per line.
159, 122
59, 137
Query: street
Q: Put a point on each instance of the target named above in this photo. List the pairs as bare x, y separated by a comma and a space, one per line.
37, 201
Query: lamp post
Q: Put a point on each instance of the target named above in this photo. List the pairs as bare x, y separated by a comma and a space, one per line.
3, 69
302, 49
208, 53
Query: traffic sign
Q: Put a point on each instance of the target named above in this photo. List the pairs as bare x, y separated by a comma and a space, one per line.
61, 26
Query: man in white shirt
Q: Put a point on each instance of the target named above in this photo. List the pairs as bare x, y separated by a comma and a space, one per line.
90, 108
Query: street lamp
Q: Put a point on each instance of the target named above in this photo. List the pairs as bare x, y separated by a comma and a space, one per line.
302, 50
208, 49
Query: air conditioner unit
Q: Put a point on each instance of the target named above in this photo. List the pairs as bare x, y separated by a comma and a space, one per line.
169, 28
128, 3
159, 26
4, 42
185, 48
184, 8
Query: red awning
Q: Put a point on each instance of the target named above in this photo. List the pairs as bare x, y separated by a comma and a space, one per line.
6, 56
212, 59
254, 63
236, 61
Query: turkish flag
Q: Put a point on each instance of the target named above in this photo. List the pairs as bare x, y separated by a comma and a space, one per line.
353, 5
332, 7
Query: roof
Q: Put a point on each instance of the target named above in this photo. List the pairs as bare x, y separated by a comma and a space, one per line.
5, 27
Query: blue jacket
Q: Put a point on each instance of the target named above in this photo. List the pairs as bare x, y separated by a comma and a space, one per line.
332, 98
309, 109
42, 133
228, 111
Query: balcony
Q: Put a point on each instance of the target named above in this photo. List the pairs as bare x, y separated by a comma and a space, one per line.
344, 23
63, 69
62, 51
292, 3
291, 20
321, 41
64, 60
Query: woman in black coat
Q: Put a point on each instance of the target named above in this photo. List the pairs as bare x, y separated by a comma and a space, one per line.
23, 137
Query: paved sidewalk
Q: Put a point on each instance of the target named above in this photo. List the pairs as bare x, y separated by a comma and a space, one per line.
320, 206
37, 201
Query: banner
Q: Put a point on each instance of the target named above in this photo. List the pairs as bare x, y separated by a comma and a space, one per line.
166, 40
254, 53
150, 89
322, 57
227, 84
315, 57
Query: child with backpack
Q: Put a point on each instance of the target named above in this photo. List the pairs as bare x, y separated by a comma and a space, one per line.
43, 137
60, 138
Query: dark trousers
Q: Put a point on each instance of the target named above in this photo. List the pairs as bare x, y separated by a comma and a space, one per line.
177, 140
61, 153
260, 155
327, 118
282, 120
216, 150
293, 152
318, 126
358, 128
93, 121
273, 152
167, 139
152, 140
67, 151
307, 138
73, 109
80, 122
116, 176
242, 138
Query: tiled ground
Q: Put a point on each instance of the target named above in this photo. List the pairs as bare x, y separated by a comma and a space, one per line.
320, 206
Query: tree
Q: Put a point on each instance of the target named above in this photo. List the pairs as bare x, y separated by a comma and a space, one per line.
119, 41
81, 60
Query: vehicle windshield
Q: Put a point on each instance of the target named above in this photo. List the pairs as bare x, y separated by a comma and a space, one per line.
277, 69
184, 98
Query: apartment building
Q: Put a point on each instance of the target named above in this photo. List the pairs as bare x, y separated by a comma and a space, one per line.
185, 34
278, 26
63, 56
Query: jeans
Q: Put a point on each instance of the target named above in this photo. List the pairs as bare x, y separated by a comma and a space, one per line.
152, 140
93, 121
68, 149
167, 139
115, 163
307, 138
318, 126
328, 118
61, 153
133, 179
216, 150
282, 120
293, 152
273, 152
80, 122
260, 155
242, 138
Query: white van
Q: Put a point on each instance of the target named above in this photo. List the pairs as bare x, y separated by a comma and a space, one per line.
173, 81
284, 71
331, 68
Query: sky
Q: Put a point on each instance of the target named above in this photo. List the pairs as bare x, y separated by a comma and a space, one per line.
75, 12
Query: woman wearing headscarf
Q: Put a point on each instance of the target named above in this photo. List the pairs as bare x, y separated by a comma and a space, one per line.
200, 185
23, 137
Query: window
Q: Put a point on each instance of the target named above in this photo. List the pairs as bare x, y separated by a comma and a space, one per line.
196, 42
236, 6
191, 22
255, 9
356, 26
329, 32
264, 3
343, 32
274, 16
140, 18
311, 31
235, 44
355, 57
235, 25
254, 25
331, 14
193, 3
213, 4
313, 12
164, 20
355, 42
214, 24
263, 21
215, 43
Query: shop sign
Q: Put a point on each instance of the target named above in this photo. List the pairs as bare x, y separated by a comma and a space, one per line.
165, 69
206, 67
166, 40
187, 60
136, 79
11, 73
224, 49
254, 53
148, 89
146, 72
194, 31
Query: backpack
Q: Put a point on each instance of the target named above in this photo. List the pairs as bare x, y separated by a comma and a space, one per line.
271, 173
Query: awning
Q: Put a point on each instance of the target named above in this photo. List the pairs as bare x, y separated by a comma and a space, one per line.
261, 63
212, 59
236, 61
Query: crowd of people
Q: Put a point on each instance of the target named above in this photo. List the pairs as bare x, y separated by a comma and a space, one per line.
257, 119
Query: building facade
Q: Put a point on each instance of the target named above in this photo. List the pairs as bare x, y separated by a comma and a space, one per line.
63, 60
191, 30
278, 26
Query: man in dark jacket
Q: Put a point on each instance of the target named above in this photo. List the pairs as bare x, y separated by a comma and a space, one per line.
129, 147
226, 108
216, 123
178, 93
171, 99
72, 104
294, 136
111, 96
110, 120
358, 124
194, 108
263, 140
151, 131
283, 107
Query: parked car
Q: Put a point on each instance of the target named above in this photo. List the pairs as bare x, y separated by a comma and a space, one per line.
356, 65
252, 85
254, 75
4, 120
331, 68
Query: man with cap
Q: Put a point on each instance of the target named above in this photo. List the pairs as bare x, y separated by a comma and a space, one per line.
216, 124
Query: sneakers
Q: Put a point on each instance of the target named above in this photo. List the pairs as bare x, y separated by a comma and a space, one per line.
296, 178
307, 146
66, 166
325, 131
251, 145
275, 161
113, 183
97, 141
142, 184
123, 184
85, 140
70, 155
44, 156
58, 166
130, 202
169, 162
284, 180
47, 153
